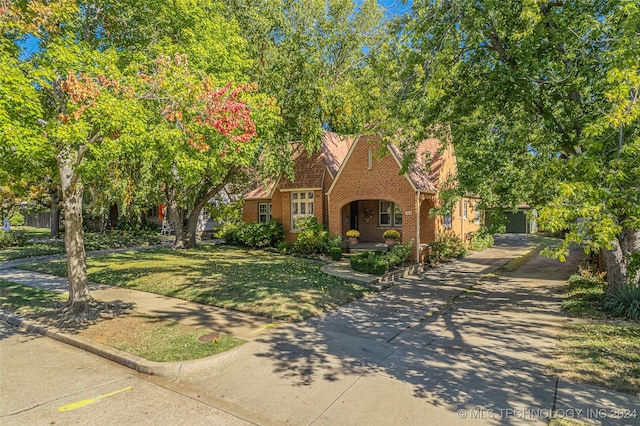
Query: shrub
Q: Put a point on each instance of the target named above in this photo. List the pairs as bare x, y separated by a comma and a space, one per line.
228, 232
255, 235
391, 234
22, 238
284, 247
446, 246
379, 262
314, 238
370, 262
336, 253
399, 254
260, 235
625, 302
481, 240
13, 239
16, 219
7, 239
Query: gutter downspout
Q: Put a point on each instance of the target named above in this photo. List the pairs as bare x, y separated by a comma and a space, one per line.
417, 209
462, 219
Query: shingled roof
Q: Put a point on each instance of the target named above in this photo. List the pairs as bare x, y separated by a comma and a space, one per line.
425, 171
309, 169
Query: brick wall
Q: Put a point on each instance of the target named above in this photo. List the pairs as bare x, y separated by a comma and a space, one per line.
250, 210
367, 185
358, 181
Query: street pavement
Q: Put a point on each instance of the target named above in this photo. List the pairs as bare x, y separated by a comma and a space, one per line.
452, 345
43, 382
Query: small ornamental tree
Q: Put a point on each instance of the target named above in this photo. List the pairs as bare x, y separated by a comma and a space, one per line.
204, 136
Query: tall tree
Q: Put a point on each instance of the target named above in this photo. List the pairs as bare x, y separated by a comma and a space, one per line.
204, 136
82, 106
315, 57
541, 98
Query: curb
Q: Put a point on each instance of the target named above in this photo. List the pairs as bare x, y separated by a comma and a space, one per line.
162, 369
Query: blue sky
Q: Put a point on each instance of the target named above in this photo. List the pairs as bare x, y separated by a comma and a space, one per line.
395, 7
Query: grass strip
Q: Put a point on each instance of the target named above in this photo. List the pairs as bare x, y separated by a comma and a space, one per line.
158, 340
539, 243
602, 354
150, 338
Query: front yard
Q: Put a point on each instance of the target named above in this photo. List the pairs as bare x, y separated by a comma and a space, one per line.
263, 283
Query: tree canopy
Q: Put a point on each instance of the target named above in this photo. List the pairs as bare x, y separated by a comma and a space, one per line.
541, 99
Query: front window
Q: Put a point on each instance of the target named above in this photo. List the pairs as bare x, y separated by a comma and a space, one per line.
390, 214
264, 212
464, 209
301, 206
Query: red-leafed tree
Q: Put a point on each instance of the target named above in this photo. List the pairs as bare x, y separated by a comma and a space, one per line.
204, 134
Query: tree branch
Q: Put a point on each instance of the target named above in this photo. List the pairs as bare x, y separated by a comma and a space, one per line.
546, 8
214, 191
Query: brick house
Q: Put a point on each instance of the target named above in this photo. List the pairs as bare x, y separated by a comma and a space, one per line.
348, 185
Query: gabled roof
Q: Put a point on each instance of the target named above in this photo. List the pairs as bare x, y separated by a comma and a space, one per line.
308, 169
425, 171
335, 149
262, 190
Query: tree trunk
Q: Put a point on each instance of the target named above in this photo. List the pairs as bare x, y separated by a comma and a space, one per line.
175, 214
185, 229
192, 228
79, 296
55, 212
617, 259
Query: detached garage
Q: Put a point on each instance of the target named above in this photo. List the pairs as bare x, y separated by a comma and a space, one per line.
518, 223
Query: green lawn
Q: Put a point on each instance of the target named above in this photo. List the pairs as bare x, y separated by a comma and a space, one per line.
31, 249
255, 281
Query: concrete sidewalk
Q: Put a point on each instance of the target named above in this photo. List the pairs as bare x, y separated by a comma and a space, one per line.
449, 346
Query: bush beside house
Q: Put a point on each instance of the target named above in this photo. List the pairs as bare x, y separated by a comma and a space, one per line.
446, 246
481, 240
254, 235
314, 238
380, 262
